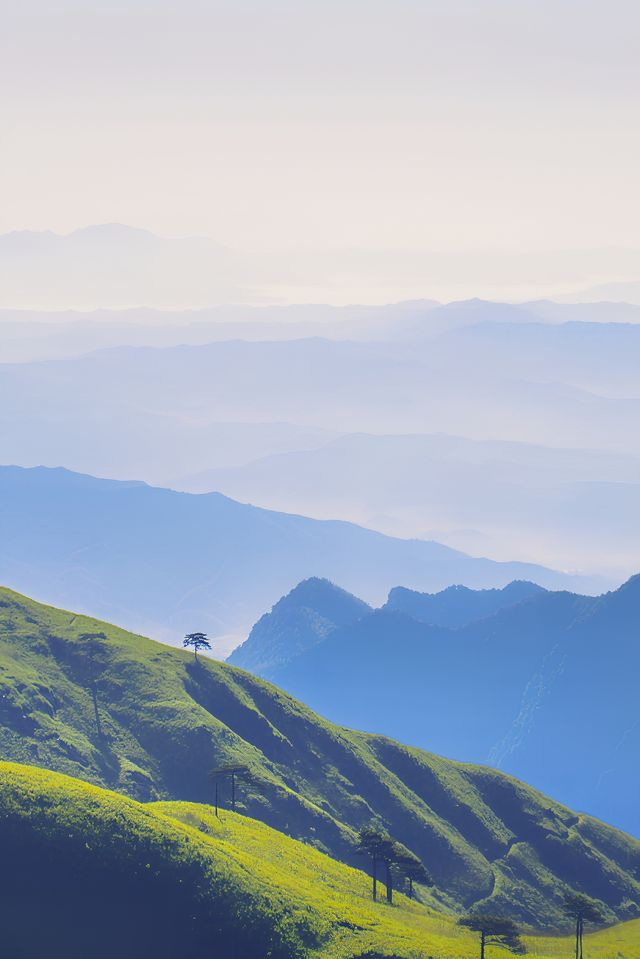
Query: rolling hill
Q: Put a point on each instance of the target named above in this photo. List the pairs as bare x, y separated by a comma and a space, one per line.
166, 563
92, 701
114, 877
544, 689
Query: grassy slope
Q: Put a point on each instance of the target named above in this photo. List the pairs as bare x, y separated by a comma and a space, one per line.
167, 721
342, 896
112, 877
220, 887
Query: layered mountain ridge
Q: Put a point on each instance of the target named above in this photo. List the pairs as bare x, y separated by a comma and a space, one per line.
165, 563
543, 688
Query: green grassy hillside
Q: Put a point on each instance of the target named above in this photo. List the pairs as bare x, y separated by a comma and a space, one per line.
166, 721
114, 877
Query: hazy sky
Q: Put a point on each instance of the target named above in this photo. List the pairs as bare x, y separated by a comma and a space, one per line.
386, 124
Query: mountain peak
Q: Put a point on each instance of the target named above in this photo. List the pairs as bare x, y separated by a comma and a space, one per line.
111, 229
319, 593
303, 618
459, 605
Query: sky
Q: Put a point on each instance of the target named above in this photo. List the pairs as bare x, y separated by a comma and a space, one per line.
399, 126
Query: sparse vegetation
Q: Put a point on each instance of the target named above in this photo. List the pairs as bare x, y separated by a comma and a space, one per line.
484, 837
171, 879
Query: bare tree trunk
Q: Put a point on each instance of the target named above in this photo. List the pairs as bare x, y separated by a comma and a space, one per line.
389, 883
578, 937
482, 944
374, 877
410, 888
581, 932
94, 696
217, 817
233, 791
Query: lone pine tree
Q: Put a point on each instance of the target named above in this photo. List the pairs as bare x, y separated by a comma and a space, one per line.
196, 642
494, 931
582, 909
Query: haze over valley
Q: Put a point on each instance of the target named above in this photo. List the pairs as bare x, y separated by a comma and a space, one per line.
503, 431
319, 479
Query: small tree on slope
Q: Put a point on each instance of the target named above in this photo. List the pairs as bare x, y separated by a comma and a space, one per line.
232, 770
410, 867
494, 931
582, 909
92, 666
389, 853
196, 642
373, 842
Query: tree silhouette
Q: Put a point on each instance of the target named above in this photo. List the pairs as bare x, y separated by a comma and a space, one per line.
373, 842
582, 909
494, 931
196, 641
389, 854
410, 867
232, 770
93, 665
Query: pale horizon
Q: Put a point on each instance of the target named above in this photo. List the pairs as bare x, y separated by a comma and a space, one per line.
393, 131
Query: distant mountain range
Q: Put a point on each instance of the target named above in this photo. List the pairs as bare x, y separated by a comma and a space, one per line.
563, 506
28, 335
33, 335
165, 563
501, 430
540, 684
114, 265
458, 605
622, 292
316, 607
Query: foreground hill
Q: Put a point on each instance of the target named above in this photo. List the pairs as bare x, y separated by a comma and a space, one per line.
166, 563
545, 688
114, 877
96, 702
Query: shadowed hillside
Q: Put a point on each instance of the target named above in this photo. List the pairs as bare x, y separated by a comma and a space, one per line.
316, 608
114, 877
104, 705
544, 689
